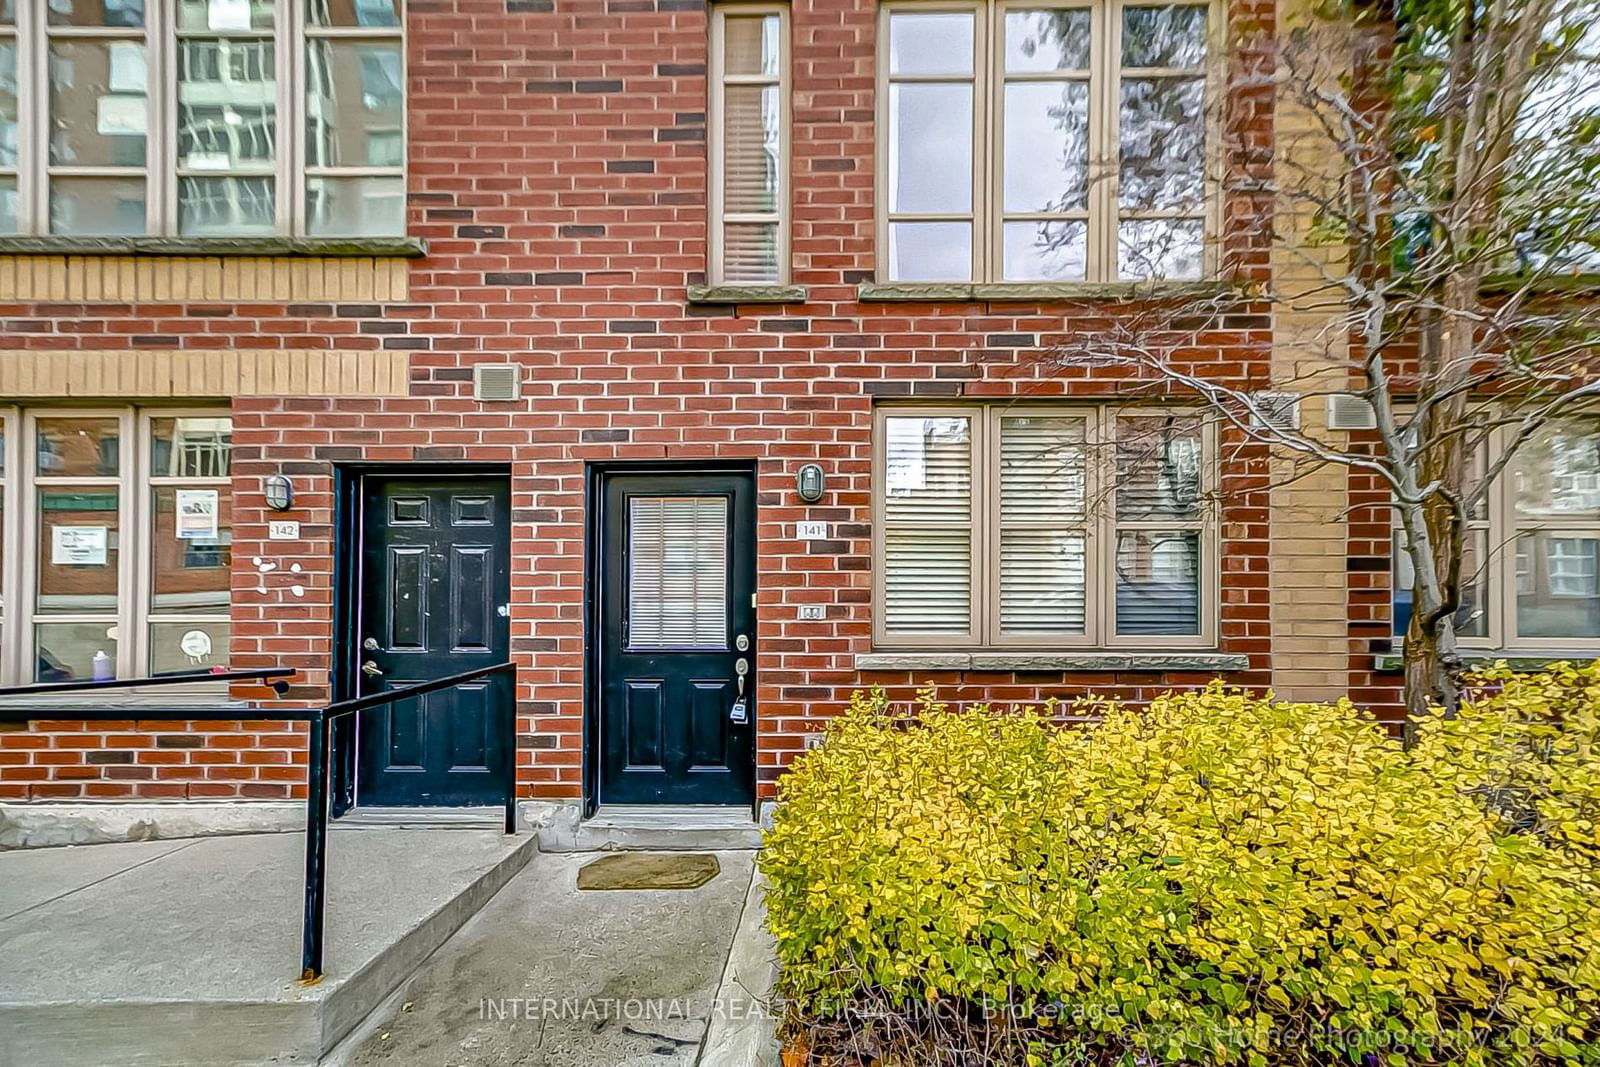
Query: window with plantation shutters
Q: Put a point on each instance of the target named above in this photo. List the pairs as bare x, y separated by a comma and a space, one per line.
928, 526
1043, 524
677, 572
1028, 525
749, 146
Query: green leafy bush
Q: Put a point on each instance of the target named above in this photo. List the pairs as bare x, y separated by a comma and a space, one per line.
1216, 879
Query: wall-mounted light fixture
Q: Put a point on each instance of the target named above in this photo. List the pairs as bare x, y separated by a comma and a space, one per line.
810, 483
279, 492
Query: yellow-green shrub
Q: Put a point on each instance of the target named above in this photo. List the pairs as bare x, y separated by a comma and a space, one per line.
1216, 879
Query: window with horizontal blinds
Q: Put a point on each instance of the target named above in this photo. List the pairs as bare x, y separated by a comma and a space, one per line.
927, 525
1033, 525
749, 156
1043, 511
677, 572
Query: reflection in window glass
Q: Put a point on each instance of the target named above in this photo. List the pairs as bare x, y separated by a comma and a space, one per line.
191, 540
1047, 146
72, 651
78, 448
1172, 37
227, 105
356, 89
348, 207
1558, 585
8, 102
222, 206
930, 43
930, 251
1557, 474
1158, 582
225, 16
1046, 251
95, 13
1042, 41
178, 647
78, 549
930, 148
191, 447
1472, 617
1158, 468
98, 107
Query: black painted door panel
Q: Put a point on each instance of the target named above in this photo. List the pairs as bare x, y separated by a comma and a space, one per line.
435, 584
677, 580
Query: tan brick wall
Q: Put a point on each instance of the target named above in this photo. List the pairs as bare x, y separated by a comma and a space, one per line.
1309, 504
168, 278
152, 373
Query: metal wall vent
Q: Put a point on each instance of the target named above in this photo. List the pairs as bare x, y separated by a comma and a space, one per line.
497, 381
1275, 411
1347, 411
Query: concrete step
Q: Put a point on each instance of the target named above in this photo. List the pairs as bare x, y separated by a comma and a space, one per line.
654, 828
481, 818
185, 952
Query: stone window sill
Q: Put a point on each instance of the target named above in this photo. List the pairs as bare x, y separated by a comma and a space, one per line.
326, 247
747, 294
1034, 292
1024, 661
1394, 662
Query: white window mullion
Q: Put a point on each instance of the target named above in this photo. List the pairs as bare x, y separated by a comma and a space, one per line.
291, 44
14, 623
131, 544
1106, 133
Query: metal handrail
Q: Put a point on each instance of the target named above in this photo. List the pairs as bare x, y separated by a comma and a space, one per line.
319, 747
317, 797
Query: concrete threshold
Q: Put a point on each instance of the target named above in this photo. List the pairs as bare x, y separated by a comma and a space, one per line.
654, 828
185, 952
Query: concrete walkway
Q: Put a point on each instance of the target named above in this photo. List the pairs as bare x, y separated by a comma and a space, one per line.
547, 975
186, 951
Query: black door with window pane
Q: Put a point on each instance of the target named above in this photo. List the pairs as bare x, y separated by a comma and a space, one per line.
435, 578
677, 630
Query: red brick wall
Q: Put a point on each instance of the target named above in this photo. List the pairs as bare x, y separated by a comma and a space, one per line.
558, 174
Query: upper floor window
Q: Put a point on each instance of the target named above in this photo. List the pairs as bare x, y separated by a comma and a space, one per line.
1013, 525
1043, 141
749, 124
237, 118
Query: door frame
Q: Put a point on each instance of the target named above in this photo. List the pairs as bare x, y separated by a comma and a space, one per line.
349, 484
596, 474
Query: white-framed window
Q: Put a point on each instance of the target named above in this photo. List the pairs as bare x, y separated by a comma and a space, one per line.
203, 118
1532, 566
1055, 141
748, 124
118, 526
1014, 525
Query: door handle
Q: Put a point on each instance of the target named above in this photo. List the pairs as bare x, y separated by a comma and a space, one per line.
370, 644
739, 713
371, 669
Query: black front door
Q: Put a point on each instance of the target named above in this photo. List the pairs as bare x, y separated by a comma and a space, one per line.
435, 579
677, 633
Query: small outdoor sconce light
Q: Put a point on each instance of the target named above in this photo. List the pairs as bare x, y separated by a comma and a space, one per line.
809, 483
279, 492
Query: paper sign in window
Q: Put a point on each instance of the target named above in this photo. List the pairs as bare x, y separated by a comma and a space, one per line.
78, 546
196, 514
